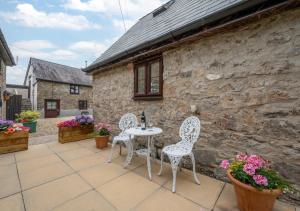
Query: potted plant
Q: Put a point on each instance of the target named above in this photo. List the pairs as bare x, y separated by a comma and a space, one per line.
13, 137
80, 128
256, 185
102, 135
28, 119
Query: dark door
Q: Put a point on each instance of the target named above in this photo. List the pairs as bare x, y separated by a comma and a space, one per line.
52, 108
13, 107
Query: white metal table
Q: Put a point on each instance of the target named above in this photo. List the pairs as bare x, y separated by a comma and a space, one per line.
149, 132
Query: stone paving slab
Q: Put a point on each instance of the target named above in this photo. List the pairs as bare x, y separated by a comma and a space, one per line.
92, 201
163, 199
12, 203
52, 194
126, 191
205, 194
9, 181
7, 159
76, 176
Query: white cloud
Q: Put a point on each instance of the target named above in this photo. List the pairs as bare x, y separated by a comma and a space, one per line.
42, 49
27, 15
120, 25
89, 47
34, 44
15, 74
131, 8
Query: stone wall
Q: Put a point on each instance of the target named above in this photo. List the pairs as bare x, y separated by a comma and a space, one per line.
68, 102
3, 88
246, 85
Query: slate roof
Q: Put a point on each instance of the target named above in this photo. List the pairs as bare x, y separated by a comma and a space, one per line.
180, 16
50, 71
5, 52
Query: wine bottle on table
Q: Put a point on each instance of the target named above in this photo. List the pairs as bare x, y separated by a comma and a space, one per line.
143, 121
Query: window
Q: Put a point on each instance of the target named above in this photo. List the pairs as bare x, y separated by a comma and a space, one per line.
83, 104
51, 105
148, 79
74, 89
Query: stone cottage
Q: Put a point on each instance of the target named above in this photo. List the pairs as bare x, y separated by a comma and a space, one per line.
6, 59
237, 62
58, 90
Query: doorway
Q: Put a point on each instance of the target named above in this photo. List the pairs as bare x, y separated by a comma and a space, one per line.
52, 108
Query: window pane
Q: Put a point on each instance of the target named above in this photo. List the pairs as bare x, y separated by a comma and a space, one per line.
154, 85
154, 88
155, 69
141, 79
141, 72
51, 105
141, 86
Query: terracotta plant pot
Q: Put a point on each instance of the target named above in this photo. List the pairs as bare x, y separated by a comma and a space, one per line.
251, 199
101, 141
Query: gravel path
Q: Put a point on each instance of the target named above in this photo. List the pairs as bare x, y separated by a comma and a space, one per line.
48, 126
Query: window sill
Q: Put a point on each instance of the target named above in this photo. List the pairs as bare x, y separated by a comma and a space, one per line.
147, 98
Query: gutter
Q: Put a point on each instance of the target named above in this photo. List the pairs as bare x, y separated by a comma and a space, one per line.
172, 35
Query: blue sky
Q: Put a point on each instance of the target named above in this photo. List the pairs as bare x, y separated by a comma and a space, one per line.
69, 32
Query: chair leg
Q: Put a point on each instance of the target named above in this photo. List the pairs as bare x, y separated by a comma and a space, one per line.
161, 163
194, 168
111, 151
174, 164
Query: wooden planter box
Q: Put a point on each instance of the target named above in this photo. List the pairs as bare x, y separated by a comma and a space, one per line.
17, 141
69, 134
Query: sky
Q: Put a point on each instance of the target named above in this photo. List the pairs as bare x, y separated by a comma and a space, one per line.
68, 32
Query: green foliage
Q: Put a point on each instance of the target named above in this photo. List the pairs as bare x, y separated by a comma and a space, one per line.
275, 181
28, 116
102, 132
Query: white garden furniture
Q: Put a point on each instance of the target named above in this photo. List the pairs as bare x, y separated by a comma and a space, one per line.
127, 121
189, 133
149, 133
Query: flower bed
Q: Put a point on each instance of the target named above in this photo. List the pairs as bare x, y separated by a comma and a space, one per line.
80, 128
13, 137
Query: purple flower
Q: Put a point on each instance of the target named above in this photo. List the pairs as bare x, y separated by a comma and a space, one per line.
225, 164
84, 119
260, 180
249, 169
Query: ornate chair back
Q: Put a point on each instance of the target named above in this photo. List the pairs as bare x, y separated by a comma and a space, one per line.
127, 121
190, 130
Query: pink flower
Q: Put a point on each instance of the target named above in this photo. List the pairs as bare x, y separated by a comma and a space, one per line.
225, 164
260, 180
256, 161
249, 168
241, 157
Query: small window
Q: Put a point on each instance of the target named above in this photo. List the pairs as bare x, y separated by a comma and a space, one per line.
148, 79
74, 89
51, 105
83, 105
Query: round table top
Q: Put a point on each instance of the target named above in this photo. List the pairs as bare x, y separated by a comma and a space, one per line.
148, 132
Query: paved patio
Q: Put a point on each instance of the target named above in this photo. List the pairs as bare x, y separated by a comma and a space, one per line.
75, 176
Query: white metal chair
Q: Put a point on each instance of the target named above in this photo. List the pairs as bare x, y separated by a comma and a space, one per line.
127, 121
189, 132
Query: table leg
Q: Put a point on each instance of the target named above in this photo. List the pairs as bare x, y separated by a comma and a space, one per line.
129, 146
149, 157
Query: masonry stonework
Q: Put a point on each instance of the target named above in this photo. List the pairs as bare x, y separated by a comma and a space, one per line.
245, 83
61, 91
3, 87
